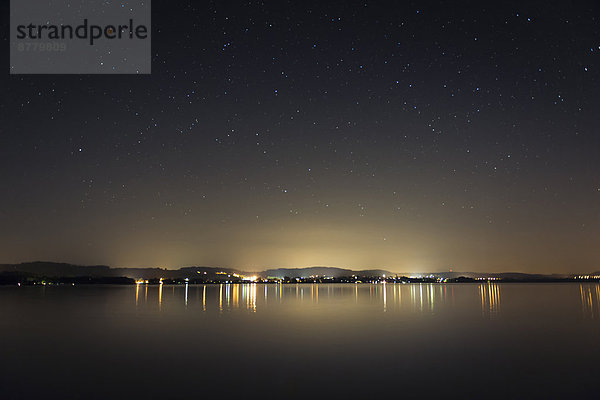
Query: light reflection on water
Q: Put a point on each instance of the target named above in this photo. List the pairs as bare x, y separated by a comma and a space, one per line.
302, 338
490, 299
590, 300
423, 298
419, 298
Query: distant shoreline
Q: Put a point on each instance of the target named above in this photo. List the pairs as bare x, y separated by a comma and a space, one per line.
35, 273
124, 281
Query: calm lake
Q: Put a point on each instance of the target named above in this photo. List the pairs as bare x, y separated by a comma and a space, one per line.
295, 341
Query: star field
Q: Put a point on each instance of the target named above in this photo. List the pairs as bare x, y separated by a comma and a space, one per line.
412, 136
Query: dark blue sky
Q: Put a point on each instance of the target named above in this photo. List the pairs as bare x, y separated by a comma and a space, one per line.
411, 136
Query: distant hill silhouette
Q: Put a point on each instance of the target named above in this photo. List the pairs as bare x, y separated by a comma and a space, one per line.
64, 270
320, 271
52, 269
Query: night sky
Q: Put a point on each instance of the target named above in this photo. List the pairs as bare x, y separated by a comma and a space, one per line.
407, 136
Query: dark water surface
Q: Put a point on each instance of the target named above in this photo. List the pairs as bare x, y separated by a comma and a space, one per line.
300, 341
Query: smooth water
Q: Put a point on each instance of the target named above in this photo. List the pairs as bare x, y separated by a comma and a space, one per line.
292, 341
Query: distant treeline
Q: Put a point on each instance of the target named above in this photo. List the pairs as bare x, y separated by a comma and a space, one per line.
61, 273
18, 278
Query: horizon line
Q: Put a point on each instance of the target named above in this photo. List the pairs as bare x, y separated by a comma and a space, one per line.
261, 269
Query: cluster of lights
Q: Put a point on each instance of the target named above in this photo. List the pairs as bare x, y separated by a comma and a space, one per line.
587, 277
